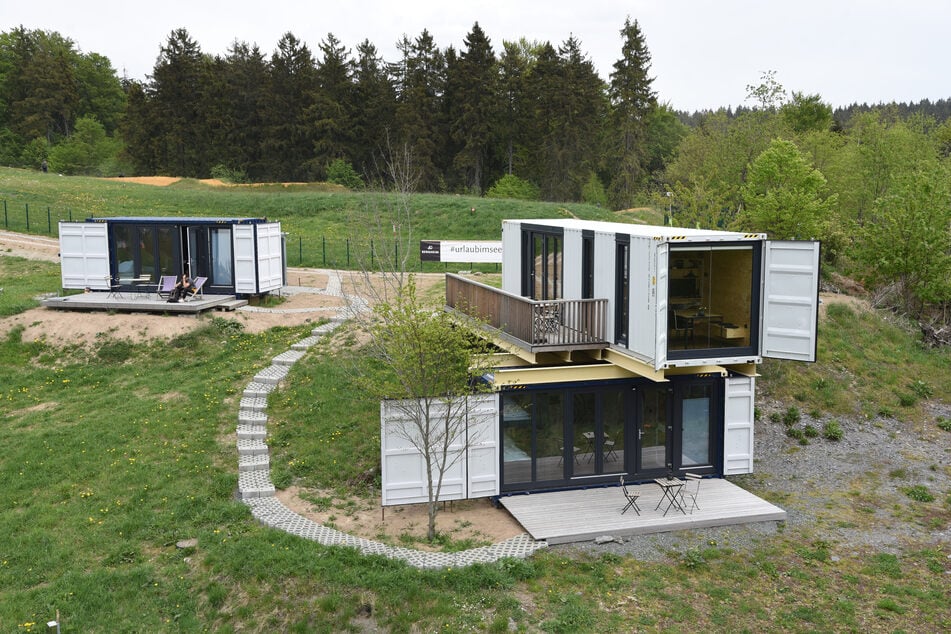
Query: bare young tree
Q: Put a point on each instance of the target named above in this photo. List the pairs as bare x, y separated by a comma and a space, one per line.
427, 357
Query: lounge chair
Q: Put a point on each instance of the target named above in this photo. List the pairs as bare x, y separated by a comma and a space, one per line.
165, 286
196, 289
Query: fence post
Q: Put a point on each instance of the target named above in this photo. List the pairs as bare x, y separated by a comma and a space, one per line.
69, 210
371, 254
348, 253
396, 256
6, 224
300, 250
27, 217
49, 221
323, 248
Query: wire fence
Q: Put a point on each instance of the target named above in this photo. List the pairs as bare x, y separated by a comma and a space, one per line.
310, 251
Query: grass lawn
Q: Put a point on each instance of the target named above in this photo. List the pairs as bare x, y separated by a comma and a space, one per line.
113, 455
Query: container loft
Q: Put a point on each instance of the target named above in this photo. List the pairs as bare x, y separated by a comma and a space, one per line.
630, 350
239, 256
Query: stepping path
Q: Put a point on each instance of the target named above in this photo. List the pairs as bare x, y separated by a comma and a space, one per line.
254, 476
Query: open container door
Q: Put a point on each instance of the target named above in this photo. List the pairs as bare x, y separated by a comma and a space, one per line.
790, 300
84, 255
270, 257
660, 278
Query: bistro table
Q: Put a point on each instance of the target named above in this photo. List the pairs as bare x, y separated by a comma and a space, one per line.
671, 488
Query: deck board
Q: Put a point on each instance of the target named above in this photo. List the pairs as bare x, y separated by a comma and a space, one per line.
583, 514
142, 302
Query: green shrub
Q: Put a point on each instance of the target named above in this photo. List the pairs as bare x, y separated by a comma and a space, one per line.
341, 172
775, 417
792, 416
921, 389
944, 423
511, 186
228, 175
810, 431
832, 430
796, 433
907, 400
918, 493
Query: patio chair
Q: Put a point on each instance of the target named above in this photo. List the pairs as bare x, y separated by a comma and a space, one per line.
691, 491
631, 499
196, 290
165, 286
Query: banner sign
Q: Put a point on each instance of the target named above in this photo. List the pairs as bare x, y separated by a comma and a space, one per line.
460, 251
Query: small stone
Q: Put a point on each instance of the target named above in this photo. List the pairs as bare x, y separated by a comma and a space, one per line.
187, 543
603, 539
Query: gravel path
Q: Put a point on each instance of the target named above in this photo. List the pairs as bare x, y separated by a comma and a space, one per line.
847, 493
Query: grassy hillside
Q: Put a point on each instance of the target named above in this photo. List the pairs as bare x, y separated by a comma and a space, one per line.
108, 463
318, 218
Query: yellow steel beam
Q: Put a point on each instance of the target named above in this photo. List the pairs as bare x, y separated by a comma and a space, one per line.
559, 374
697, 369
633, 366
501, 360
746, 369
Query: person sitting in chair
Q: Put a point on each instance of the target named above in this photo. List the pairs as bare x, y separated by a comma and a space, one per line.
182, 288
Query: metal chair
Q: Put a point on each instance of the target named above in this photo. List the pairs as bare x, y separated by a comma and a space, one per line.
693, 482
631, 499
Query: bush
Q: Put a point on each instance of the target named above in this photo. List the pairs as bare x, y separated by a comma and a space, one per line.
919, 493
944, 423
810, 431
228, 175
792, 416
832, 430
511, 186
341, 172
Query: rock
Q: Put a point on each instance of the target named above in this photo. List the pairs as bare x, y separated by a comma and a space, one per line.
187, 543
603, 539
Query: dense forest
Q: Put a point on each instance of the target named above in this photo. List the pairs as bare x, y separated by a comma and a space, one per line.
530, 120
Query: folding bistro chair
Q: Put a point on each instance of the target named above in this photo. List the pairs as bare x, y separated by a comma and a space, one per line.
691, 490
631, 499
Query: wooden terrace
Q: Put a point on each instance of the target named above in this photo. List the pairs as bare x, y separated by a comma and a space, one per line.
142, 302
583, 514
539, 326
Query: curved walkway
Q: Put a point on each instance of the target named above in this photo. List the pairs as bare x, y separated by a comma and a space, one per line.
254, 477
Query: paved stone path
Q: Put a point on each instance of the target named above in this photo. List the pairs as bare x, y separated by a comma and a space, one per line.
254, 476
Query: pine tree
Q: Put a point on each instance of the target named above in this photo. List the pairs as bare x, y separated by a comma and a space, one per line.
374, 108
474, 108
290, 136
178, 81
332, 112
632, 102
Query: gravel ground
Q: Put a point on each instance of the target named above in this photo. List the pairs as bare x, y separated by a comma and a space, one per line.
847, 493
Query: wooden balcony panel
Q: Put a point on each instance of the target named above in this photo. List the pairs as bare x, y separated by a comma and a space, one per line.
550, 325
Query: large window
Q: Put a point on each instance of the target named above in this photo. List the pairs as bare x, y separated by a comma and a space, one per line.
711, 299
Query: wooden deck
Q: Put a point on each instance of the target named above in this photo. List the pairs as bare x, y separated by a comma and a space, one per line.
132, 302
584, 514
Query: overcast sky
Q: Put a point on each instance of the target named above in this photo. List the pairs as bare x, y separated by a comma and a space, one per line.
704, 52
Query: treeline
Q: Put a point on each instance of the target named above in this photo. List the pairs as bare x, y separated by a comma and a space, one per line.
460, 119
531, 121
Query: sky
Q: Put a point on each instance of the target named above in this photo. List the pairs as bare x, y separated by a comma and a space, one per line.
705, 53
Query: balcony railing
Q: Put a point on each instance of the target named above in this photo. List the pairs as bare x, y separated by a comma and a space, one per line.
549, 325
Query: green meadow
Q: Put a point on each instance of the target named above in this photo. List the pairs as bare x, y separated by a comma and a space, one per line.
115, 452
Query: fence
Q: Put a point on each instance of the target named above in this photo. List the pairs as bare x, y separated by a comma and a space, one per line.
309, 251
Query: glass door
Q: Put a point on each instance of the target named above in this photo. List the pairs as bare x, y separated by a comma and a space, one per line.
652, 431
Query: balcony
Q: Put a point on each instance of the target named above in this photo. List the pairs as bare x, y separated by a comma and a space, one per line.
538, 326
